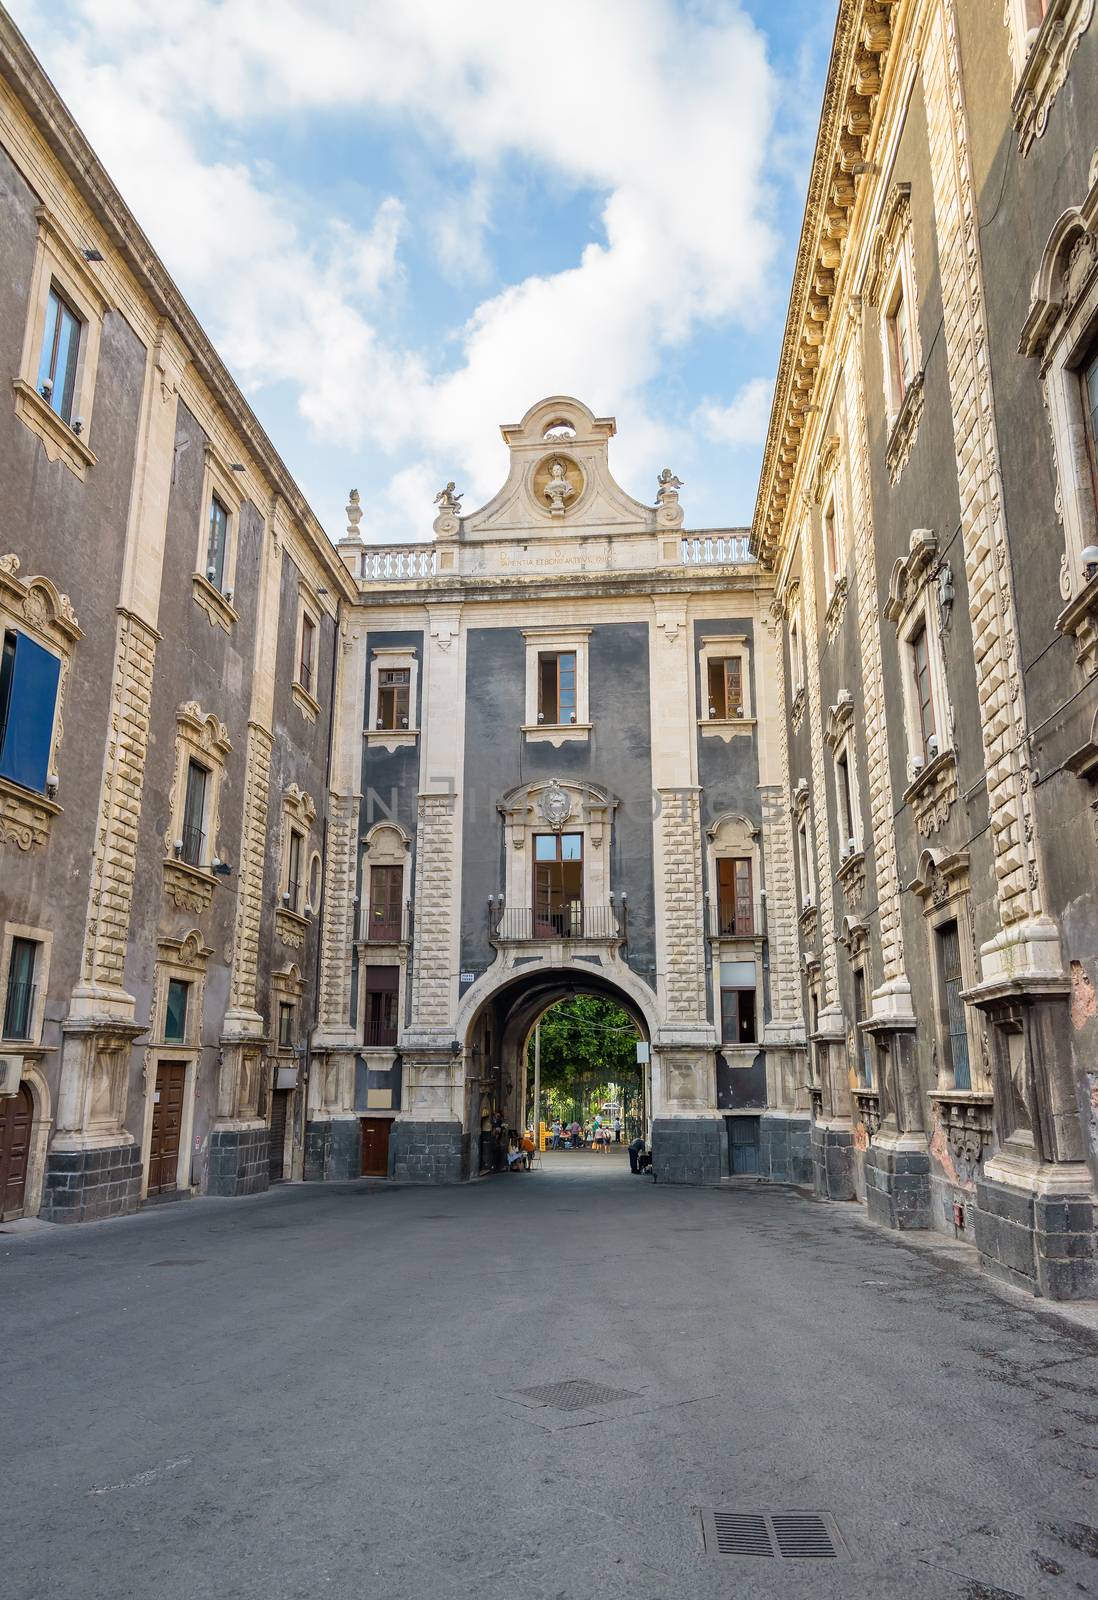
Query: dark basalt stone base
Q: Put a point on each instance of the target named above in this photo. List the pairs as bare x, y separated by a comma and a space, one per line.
833, 1162
1046, 1245
426, 1152
897, 1187
785, 1149
689, 1150
239, 1162
88, 1185
333, 1150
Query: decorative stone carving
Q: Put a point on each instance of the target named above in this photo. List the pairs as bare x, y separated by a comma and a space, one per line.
24, 818
932, 792
796, 710
895, 221
839, 720
189, 888
851, 878
1046, 68
902, 435
836, 607
910, 574
219, 610
554, 806
558, 491
868, 1102
299, 805
447, 524
253, 843
966, 1117
290, 927
1079, 620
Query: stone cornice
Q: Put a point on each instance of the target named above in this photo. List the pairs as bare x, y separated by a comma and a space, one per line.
863, 37
641, 581
21, 71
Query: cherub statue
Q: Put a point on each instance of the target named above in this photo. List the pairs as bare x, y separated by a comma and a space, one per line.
558, 489
448, 499
668, 481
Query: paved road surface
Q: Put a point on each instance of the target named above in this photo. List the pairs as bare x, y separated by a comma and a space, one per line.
313, 1394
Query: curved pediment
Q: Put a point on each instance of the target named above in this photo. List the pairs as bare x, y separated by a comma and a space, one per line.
559, 484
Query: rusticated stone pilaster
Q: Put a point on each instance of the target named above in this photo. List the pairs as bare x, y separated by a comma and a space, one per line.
434, 912
684, 905
253, 850
339, 872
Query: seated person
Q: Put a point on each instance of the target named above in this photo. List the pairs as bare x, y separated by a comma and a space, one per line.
517, 1157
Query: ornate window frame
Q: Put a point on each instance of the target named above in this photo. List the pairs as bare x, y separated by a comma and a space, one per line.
43, 938
801, 810
892, 274
1042, 53
725, 647
298, 816
839, 737
187, 960
58, 260
386, 845
1059, 330
203, 738
218, 478
920, 594
567, 805
308, 605
396, 658
34, 606
548, 640
735, 837
287, 988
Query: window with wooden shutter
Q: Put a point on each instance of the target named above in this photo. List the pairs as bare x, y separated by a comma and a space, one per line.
955, 1033
386, 891
557, 688
734, 895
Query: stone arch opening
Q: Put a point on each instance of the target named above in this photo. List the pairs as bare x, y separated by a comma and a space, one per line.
497, 1031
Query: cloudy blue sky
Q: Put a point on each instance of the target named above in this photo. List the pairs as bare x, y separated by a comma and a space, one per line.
404, 221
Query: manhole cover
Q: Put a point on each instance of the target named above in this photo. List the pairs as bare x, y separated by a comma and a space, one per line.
180, 1261
575, 1394
783, 1535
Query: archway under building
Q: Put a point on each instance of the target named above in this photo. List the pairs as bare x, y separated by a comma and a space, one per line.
497, 1046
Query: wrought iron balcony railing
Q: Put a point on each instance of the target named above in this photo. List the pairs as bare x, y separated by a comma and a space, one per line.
576, 920
380, 1032
386, 926
739, 919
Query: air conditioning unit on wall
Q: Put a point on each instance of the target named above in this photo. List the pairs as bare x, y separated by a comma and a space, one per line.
11, 1074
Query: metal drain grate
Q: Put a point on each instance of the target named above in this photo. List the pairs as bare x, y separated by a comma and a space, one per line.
784, 1535
575, 1394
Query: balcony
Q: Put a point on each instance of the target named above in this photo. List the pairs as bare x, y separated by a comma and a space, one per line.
740, 919
575, 921
380, 1033
382, 925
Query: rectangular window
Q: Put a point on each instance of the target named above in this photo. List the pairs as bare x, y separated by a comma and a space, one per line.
1089, 382
734, 896
285, 1025
898, 330
386, 888
194, 815
952, 980
558, 885
60, 350
846, 802
382, 985
175, 1011
805, 863
29, 677
293, 869
864, 1043
557, 688
832, 547
796, 667
393, 685
19, 1004
218, 542
738, 1011
924, 698
726, 688
308, 651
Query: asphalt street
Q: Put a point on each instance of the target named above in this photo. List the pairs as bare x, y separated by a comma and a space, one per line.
318, 1392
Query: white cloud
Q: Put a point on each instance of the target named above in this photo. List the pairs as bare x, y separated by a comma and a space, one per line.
664, 111
744, 421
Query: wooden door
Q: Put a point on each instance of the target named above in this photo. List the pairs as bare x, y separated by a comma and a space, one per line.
166, 1124
16, 1113
280, 1105
375, 1147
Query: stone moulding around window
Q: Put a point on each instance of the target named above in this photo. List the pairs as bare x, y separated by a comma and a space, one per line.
851, 879
966, 1119
306, 703
902, 434
1046, 67
833, 616
291, 926
910, 574
796, 711
1079, 621
189, 888
208, 597
58, 439
839, 720
809, 922
931, 793
726, 728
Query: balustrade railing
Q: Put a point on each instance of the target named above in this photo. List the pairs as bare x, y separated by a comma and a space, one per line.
398, 561
530, 924
708, 549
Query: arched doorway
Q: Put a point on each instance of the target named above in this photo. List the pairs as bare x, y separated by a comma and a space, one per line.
16, 1118
497, 1034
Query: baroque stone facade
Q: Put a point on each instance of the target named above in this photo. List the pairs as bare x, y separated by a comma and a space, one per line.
951, 147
